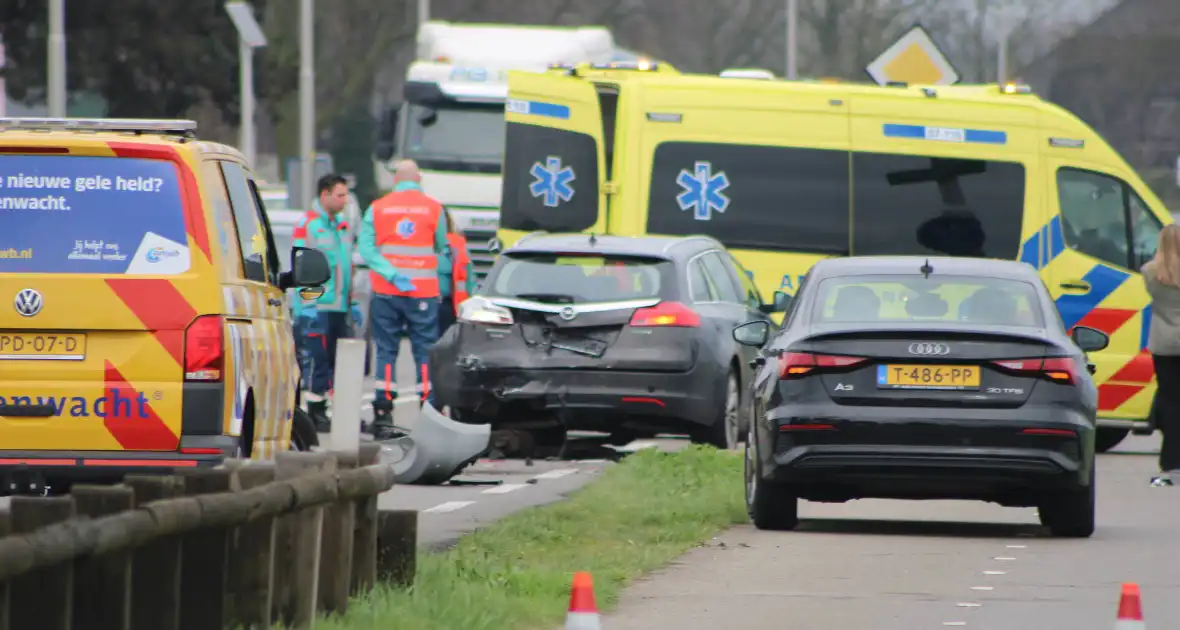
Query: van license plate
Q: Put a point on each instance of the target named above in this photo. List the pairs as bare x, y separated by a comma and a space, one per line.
928, 376
42, 347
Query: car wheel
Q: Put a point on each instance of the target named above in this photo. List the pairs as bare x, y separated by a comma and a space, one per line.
303, 433
770, 506
1070, 513
1108, 438
725, 429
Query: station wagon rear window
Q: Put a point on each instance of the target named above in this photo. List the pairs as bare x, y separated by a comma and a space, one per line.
579, 278
965, 300
91, 215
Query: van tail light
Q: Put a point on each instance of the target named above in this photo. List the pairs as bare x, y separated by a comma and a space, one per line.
666, 314
798, 364
204, 349
1057, 369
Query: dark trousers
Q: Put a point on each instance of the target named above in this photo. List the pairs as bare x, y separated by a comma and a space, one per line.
1167, 375
319, 337
391, 317
446, 315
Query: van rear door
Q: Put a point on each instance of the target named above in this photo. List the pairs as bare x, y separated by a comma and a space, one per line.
95, 265
554, 160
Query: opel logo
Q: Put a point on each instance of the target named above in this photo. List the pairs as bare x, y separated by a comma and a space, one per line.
930, 349
28, 302
568, 313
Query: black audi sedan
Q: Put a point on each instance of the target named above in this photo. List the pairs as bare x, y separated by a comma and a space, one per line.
922, 378
629, 336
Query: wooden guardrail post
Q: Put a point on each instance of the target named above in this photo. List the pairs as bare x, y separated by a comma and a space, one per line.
397, 540
206, 557
102, 584
155, 573
251, 563
5, 530
336, 549
364, 540
42, 598
297, 545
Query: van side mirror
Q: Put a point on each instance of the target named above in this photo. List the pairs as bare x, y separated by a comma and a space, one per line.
754, 334
782, 302
309, 269
1089, 339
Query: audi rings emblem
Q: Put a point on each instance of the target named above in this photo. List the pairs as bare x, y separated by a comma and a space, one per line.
568, 313
28, 302
930, 349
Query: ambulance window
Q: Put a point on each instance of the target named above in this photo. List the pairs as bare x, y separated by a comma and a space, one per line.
754, 197
550, 180
1094, 214
917, 205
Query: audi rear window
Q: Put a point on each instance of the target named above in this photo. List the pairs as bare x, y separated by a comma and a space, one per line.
966, 300
579, 278
91, 215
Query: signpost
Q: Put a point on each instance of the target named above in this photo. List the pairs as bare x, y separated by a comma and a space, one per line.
250, 36
57, 59
306, 105
913, 59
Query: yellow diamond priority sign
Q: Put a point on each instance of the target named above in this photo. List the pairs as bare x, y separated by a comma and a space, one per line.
913, 59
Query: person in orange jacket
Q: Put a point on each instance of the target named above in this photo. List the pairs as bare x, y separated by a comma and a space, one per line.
459, 284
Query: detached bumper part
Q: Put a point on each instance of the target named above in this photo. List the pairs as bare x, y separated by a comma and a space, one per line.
436, 450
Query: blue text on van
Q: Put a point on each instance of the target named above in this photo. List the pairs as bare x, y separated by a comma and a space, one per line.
116, 406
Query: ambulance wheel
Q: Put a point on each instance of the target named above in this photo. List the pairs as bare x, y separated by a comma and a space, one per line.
1108, 438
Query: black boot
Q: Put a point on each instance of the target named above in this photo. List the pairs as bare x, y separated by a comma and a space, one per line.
319, 414
382, 427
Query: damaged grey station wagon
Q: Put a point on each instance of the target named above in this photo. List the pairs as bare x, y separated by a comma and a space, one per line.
622, 335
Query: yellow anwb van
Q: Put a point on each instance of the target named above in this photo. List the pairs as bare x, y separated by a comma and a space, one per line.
786, 173
147, 329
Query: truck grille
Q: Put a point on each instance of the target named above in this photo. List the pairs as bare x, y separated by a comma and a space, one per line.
477, 247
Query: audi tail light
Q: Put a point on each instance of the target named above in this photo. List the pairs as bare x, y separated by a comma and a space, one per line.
1057, 369
667, 314
799, 364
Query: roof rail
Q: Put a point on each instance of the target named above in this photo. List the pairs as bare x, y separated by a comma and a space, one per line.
132, 125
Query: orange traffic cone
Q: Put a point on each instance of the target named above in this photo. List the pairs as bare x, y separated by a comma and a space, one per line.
583, 613
1130, 609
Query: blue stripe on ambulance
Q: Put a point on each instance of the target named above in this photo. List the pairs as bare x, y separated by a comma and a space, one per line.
1103, 281
538, 108
1144, 326
1044, 246
945, 134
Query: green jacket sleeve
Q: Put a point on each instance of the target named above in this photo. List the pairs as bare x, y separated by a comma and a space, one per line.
442, 246
471, 283
366, 244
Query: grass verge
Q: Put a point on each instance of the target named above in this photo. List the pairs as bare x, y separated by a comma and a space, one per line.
515, 574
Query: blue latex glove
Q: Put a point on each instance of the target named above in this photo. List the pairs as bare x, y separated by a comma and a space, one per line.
357, 318
402, 283
307, 312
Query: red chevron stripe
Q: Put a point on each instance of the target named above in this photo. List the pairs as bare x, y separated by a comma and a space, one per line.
134, 433
1112, 396
1140, 369
194, 210
161, 308
1108, 320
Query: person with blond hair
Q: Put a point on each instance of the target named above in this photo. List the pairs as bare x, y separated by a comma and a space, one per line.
1162, 276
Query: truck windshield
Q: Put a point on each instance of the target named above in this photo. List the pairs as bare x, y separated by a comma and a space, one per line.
456, 137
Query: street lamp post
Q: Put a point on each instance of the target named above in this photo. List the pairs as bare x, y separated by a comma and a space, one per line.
306, 101
57, 58
250, 36
792, 39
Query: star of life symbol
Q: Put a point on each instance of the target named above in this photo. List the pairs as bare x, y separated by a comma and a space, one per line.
405, 228
702, 191
552, 181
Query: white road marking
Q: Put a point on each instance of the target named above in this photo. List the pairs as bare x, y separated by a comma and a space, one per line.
995, 572
1003, 558
637, 445
556, 474
505, 488
954, 623
983, 588
1017, 546
968, 605
449, 506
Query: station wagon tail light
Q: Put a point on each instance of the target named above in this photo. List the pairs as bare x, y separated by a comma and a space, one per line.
798, 364
666, 314
1057, 369
204, 349
478, 310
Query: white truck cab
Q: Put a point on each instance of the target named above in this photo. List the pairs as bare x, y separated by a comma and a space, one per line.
452, 119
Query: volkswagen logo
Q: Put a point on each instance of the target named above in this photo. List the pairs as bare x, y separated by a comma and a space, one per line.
28, 302
930, 349
568, 313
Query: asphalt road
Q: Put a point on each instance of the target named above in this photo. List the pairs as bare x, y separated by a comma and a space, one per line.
897, 565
